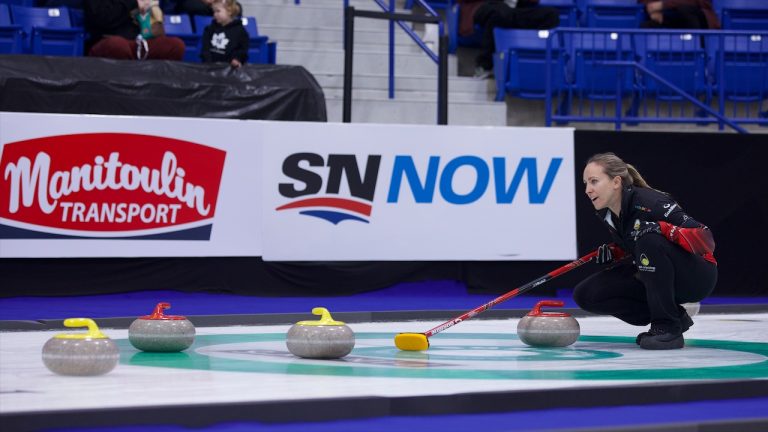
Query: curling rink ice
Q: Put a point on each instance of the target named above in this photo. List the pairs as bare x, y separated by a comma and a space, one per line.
247, 364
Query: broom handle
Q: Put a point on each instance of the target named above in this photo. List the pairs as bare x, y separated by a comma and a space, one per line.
514, 293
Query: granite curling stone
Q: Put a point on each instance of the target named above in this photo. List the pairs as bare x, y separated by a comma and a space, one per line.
323, 339
548, 329
81, 354
161, 333
692, 308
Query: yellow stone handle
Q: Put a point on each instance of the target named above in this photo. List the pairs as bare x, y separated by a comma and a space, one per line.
325, 318
93, 329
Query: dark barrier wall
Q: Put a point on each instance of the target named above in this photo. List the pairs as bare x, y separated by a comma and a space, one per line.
85, 85
719, 178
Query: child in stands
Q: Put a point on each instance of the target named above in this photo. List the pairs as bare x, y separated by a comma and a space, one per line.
225, 39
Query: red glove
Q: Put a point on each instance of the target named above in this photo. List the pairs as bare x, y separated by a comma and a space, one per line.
697, 241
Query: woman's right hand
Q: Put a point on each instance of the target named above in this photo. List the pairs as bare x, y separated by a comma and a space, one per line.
608, 253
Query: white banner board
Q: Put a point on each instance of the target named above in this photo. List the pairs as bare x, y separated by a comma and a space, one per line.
100, 186
383, 192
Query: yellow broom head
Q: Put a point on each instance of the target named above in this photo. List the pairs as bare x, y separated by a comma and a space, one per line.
411, 341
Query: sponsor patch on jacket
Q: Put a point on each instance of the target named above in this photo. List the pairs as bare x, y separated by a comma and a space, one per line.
645, 264
642, 208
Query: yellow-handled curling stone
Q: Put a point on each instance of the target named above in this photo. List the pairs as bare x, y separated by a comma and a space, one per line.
321, 339
81, 354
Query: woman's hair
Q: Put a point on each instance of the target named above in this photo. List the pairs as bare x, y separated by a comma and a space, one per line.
233, 6
614, 166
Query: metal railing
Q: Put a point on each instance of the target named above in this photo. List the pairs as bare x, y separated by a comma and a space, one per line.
441, 58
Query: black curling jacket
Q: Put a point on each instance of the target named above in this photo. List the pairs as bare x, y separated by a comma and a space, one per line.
639, 204
224, 43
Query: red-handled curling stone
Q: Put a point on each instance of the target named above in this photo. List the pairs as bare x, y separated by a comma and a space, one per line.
161, 333
548, 329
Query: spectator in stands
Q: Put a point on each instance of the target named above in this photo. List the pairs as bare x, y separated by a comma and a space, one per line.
195, 7
114, 29
671, 263
522, 14
680, 14
225, 39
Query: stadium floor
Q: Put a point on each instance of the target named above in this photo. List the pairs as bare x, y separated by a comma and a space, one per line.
239, 375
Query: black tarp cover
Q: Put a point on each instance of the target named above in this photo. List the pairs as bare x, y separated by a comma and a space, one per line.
83, 85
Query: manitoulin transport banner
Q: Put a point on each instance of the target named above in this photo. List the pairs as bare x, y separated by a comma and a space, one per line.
125, 186
109, 186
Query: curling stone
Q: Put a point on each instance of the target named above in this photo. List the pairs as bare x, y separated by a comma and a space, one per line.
692, 308
323, 339
548, 329
81, 354
161, 333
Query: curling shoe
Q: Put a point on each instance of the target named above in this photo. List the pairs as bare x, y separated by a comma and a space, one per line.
685, 323
660, 339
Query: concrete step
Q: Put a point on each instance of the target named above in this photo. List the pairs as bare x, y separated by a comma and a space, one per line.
406, 82
282, 32
406, 96
311, 16
380, 47
332, 61
419, 112
360, 4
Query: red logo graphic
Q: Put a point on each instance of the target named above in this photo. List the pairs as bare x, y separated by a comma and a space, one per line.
108, 185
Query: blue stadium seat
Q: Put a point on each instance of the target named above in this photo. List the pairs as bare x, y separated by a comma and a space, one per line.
677, 58
520, 63
77, 17
738, 71
612, 14
11, 36
567, 10
25, 3
201, 22
453, 17
260, 50
587, 68
743, 14
48, 31
180, 26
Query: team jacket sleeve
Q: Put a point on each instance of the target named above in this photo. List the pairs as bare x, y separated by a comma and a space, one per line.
683, 230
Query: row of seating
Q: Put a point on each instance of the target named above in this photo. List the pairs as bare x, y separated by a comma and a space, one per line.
59, 31
600, 65
734, 15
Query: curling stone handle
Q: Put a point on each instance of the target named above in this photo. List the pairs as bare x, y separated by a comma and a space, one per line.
93, 329
158, 312
548, 303
325, 315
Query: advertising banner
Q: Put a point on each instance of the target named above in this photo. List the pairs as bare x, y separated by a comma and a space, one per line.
384, 192
101, 186
77, 185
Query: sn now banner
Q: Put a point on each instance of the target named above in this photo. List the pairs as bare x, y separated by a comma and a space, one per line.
385, 192
98, 186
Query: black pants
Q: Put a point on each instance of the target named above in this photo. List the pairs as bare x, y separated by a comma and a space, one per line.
495, 13
651, 289
682, 17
